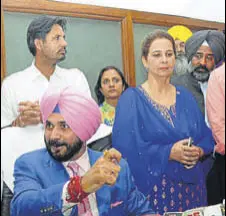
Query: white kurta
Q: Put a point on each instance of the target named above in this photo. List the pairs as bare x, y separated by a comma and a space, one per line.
30, 85
203, 87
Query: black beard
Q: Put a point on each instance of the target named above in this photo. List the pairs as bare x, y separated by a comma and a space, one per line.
61, 59
72, 149
201, 73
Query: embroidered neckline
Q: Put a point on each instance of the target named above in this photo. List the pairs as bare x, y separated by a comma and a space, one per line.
164, 111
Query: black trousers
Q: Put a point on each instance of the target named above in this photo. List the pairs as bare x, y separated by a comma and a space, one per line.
216, 181
7, 196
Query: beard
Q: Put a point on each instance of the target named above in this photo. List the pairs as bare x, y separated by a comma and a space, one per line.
63, 57
181, 65
200, 72
71, 149
180, 53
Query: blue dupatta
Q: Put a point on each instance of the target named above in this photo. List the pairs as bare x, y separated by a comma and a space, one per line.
145, 137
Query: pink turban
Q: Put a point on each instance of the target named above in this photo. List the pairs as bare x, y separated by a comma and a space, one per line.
80, 112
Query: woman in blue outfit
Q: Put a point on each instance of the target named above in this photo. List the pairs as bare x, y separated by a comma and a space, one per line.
152, 126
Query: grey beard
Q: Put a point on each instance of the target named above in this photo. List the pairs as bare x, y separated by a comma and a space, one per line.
181, 65
200, 76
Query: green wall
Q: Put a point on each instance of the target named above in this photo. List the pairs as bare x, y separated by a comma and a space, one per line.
92, 45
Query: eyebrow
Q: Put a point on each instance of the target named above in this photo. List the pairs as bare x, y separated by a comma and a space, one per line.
48, 122
211, 54
60, 122
59, 35
105, 79
111, 78
162, 51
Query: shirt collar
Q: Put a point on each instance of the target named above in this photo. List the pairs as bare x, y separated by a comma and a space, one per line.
203, 84
83, 161
36, 73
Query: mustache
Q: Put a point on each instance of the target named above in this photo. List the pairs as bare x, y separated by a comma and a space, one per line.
197, 68
56, 143
201, 68
65, 49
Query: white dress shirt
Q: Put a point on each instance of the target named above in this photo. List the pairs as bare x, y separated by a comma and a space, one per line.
203, 86
16, 141
84, 164
30, 84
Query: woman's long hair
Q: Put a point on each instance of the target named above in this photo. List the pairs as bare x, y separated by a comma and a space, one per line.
99, 95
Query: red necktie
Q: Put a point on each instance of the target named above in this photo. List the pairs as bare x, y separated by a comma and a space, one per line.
84, 208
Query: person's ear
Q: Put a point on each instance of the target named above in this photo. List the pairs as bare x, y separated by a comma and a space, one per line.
38, 44
144, 61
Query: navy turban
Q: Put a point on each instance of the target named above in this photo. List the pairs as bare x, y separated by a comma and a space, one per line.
215, 40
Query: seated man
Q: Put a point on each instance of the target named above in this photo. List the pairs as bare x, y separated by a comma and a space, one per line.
66, 178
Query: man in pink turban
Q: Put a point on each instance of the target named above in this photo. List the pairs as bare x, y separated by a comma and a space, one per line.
66, 178
80, 113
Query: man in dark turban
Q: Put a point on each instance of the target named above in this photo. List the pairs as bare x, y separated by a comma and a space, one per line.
205, 51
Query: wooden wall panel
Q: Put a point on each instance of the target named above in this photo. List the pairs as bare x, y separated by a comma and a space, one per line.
128, 50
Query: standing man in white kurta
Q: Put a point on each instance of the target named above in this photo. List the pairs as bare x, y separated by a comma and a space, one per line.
22, 91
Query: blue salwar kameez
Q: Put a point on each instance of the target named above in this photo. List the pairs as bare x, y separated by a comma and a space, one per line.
145, 131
